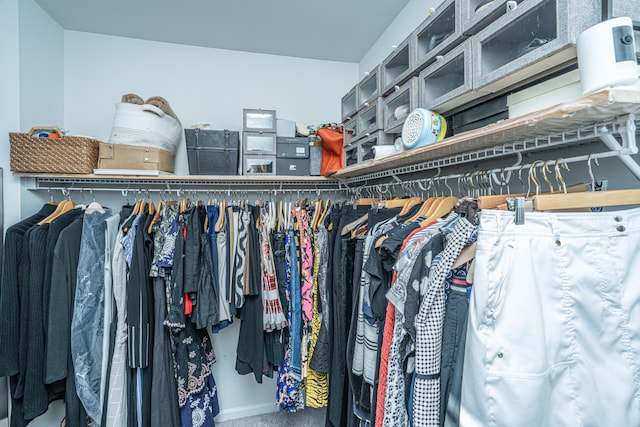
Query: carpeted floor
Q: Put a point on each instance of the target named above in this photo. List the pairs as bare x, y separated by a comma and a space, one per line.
308, 417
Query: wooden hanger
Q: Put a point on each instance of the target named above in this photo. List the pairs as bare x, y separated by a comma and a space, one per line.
63, 206
424, 209
551, 202
499, 201
156, 217
466, 255
325, 210
279, 215
441, 208
348, 228
392, 203
367, 201
317, 212
408, 204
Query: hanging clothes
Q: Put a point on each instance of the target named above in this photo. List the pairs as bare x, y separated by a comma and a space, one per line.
164, 404
88, 313
567, 284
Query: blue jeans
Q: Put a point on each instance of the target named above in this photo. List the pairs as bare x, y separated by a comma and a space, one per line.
296, 310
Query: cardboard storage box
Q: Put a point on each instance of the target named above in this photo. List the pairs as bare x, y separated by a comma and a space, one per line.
135, 157
292, 148
212, 152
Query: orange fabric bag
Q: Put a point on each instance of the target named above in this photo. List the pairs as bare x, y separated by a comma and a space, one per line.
332, 151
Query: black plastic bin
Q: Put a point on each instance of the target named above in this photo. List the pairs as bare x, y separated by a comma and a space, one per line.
212, 152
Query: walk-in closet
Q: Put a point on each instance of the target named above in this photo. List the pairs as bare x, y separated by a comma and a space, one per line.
421, 213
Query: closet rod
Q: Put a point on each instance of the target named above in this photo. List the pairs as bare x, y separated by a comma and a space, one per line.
239, 183
381, 188
187, 192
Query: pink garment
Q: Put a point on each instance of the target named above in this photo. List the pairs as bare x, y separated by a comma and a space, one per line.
306, 272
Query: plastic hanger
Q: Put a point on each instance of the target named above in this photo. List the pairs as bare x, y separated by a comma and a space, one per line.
94, 206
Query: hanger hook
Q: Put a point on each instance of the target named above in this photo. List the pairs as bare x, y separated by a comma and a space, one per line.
561, 184
591, 177
545, 169
533, 177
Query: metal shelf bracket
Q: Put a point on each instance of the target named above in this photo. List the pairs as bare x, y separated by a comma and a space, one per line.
627, 131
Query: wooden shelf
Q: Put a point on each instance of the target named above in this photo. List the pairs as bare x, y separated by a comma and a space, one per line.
589, 110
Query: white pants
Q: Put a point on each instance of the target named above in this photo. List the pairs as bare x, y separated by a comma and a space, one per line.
554, 322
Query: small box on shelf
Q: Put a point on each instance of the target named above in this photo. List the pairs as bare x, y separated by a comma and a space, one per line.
438, 34
370, 87
136, 157
349, 104
532, 40
447, 83
370, 118
212, 152
292, 148
350, 131
399, 104
258, 120
259, 165
258, 143
292, 166
398, 66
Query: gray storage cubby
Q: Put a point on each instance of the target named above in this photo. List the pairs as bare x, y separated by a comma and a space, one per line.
529, 41
629, 8
439, 33
350, 104
362, 150
351, 155
350, 131
369, 88
477, 14
370, 119
259, 165
398, 66
258, 143
258, 120
399, 104
447, 83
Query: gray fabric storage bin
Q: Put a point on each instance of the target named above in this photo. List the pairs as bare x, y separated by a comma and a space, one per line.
293, 167
292, 148
315, 156
212, 152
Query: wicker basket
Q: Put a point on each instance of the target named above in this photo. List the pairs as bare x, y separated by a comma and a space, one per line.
68, 154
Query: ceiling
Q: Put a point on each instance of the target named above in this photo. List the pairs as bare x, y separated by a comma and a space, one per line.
335, 30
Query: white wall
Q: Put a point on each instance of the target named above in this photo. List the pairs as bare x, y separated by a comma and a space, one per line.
200, 83
41, 76
9, 103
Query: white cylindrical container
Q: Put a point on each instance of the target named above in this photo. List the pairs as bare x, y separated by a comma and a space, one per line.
607, 55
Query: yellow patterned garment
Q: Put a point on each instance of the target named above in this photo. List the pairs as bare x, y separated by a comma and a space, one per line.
317, 386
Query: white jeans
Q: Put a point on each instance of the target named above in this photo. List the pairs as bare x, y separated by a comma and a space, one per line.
554, 321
